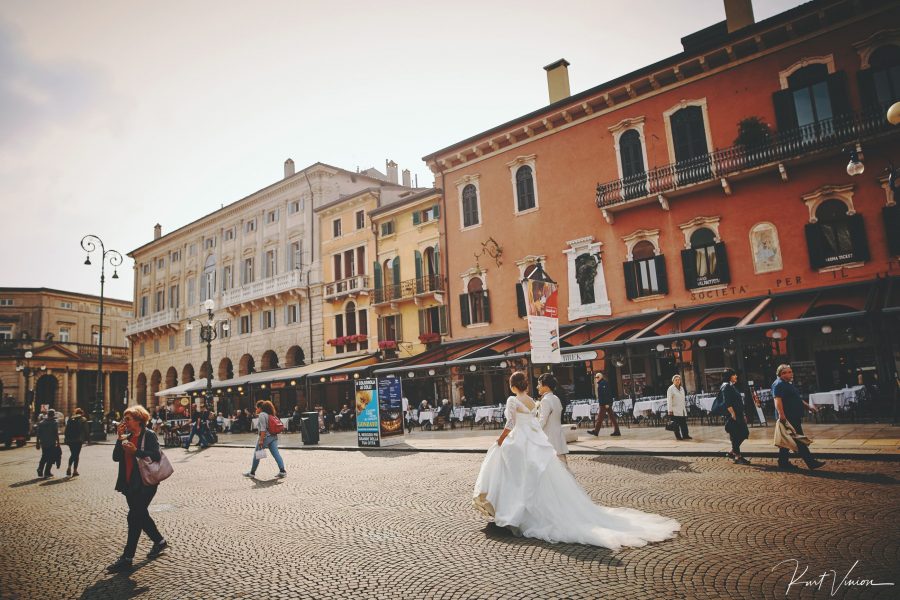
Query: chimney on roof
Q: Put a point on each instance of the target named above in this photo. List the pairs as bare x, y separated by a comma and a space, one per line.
738, 14
558, 80
391, 171
157, 231
407, 178
288, 168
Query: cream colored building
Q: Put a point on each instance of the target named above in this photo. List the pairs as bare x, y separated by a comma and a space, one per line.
61, 331
259, 260
409, 286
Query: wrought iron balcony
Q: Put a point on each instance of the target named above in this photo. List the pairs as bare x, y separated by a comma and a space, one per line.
824, 135
260, 289
409, 289
346, 287
163, 318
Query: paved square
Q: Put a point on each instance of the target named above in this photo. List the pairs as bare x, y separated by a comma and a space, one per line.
399, 525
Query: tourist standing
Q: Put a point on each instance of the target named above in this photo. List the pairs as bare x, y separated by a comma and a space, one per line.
789, 406
135, 442
75, 435
735, 419
265, 410
48, 443
676, 407
604, 397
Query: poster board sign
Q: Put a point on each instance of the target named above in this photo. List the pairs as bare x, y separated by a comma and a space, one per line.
762, 417
543, 320
390, 409
367, 422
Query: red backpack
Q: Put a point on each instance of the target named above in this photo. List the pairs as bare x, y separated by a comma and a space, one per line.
275, 425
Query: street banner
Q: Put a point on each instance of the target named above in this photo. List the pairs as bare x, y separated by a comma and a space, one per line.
390, 409
543, 320
367, 423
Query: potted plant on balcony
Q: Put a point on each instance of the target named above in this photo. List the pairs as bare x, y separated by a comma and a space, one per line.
388, 348
338, 341
430, 338
754, 138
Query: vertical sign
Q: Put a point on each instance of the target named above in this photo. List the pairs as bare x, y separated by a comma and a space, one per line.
367, 423
390, 408
543, 320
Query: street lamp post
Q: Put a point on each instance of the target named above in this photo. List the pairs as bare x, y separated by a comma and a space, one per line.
207, 334
27, 371
89, 244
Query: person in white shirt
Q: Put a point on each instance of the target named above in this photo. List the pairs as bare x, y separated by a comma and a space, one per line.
677, 409
550, 416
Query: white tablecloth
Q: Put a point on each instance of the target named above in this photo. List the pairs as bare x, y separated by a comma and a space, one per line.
651, 405
839, 399
459, 414
486, 413
426, 415
706, 402
581, 410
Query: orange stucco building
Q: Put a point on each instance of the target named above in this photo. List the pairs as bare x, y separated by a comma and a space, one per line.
691, 208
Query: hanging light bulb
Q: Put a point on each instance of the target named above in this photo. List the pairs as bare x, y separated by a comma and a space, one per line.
855, 166
87, 260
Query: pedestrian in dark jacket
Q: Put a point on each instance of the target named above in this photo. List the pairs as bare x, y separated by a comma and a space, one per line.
605, 398
735, 419
135, 442
790, 407
76, 434
47, 443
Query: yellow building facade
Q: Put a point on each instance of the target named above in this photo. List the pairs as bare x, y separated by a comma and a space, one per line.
408, 281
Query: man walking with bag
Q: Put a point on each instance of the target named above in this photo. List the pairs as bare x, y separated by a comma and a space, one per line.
789, 406
48, 443
604, 397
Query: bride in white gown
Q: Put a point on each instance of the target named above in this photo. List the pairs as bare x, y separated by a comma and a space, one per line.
523, 486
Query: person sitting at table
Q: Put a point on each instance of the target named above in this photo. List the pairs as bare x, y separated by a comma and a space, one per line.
321, 411
330, 419
423, 405
344, 418
220, 422
295, 418
676, 408
443, 414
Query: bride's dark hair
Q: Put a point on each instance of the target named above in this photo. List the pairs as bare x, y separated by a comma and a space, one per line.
518, 381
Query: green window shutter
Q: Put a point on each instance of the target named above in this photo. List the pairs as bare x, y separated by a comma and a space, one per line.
630, 280
815, 244
661, 276
464, 309
417, 218
520, 301
419, 287
689, 265
858, 237
422, 316
487, 307
437, 259
396, 271
442, 318
722, 263
379, 285
436, 211
785, 113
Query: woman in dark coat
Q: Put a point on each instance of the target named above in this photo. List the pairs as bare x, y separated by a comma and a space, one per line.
135, 442
735, 419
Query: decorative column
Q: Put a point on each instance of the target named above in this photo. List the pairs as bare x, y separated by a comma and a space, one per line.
64, 384
106, 405
75, 387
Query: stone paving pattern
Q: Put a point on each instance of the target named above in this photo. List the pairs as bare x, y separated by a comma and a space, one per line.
379, 524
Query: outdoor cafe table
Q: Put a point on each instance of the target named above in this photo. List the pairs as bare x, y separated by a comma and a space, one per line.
706, 402
486, 412
651, 405
582, 411
426, 415
839, 399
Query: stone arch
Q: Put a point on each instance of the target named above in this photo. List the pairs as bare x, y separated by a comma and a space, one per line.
155, 380
171, 378
226, 369
45, 390
187, 373
294, 357
247, 365
205, 370
269, 361
140, 389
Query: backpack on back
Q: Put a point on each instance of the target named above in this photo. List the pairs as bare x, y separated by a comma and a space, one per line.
275, 425
718, 406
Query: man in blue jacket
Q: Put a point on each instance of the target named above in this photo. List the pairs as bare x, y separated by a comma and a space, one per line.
790, 407
604, 396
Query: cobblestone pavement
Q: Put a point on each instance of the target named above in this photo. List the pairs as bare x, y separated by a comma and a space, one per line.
399, 525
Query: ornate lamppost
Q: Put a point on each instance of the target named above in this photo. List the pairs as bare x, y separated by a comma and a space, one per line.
27, 371
207, 334
89, 244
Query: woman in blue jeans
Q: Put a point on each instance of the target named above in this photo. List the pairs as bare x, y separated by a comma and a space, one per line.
264, 409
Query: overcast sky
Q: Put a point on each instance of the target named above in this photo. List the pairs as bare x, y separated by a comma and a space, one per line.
117, 115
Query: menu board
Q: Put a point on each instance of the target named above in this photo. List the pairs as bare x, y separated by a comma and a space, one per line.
367, 423
390, 408
544, 335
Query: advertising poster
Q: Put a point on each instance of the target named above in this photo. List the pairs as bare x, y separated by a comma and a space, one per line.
543, 320
367, 424
390, 408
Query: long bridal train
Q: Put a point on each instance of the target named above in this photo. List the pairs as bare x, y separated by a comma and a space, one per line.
524, 486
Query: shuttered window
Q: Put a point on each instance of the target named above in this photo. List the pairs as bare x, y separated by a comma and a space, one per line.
645, 275
475, 306
705, 263
470, 206
836, 238
524, 188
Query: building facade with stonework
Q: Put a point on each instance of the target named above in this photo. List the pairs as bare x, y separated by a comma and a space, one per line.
258, 259
61, 330
697, 213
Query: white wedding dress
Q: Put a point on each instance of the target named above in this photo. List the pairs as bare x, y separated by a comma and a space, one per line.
524, 486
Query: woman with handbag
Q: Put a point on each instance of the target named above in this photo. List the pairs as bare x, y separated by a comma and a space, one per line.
677, 410
136, 442
735, 420
268, 438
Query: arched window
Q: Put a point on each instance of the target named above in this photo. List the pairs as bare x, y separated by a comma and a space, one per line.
809, 89
703, 243
208, 283
470, 210
836, 237
689, 141
885, 67
645, 274
832, 218
476, 300
632, 158
524, 188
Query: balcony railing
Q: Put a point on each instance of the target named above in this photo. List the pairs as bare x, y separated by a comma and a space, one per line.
409, 289
265, 287
114, 353
822, 135
345, 287
158, 319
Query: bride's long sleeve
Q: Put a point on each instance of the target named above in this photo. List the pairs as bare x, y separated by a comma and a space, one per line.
510, 412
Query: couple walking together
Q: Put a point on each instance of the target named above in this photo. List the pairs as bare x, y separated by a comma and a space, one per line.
525, 485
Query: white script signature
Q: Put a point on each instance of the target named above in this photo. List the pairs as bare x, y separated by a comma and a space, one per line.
817, 582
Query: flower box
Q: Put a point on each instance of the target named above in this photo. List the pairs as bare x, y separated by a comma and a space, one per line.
387, 345
430, 338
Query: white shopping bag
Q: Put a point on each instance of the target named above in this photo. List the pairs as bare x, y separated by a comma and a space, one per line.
260, 454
